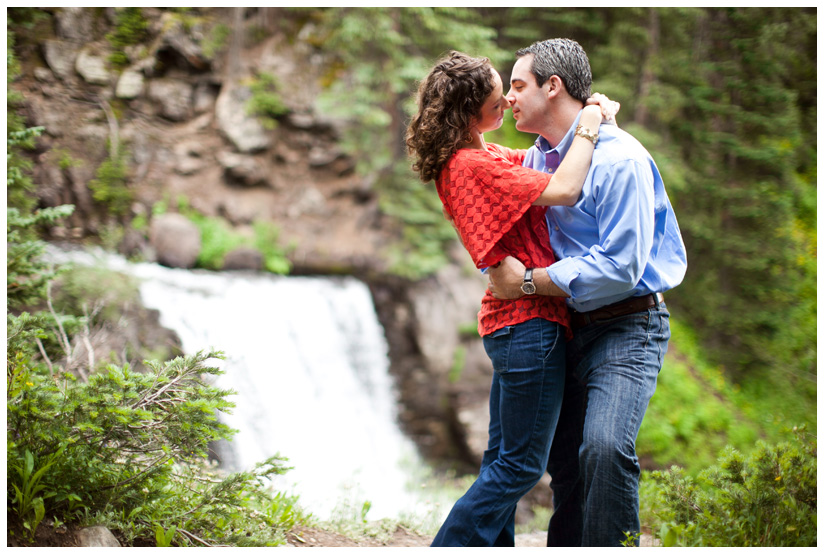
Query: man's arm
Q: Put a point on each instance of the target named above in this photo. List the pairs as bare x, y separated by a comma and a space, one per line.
506, 279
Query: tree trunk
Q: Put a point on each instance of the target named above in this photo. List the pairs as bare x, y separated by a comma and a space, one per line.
648, 77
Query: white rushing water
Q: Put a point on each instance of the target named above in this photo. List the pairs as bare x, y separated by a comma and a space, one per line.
308, 360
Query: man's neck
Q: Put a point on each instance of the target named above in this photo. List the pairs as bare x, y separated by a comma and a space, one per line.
563, 117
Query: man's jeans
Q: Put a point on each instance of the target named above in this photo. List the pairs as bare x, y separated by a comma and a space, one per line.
525, 399
612, 369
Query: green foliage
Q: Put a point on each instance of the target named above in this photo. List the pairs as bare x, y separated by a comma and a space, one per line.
26, 273
129, 449
218, 238
695, 412
18, 138
266, 102
425, 233
765, 500
698, 410
111, 185
742, 119
266, 241
163, 538
216, 40
130, 28
166, 414
30, 506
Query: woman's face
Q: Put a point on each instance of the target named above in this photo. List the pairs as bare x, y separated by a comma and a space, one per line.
492, 112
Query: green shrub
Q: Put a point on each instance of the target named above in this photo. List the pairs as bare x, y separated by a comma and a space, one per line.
266, 241
110, 185
128, 449
216, 40
266, 102
26, 274
766, 499
218, 238
130, 28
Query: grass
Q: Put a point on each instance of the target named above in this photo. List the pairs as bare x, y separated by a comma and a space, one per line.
697, 410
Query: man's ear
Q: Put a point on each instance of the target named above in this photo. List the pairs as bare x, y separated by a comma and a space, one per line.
554, 86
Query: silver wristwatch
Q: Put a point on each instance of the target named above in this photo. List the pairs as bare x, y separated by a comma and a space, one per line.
527, 286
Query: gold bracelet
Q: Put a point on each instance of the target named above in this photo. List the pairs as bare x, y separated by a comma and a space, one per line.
585, 133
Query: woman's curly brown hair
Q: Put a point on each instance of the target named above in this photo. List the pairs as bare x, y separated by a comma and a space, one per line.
449, 99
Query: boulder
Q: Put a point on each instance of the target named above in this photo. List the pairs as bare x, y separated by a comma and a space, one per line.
60, 57
130, 84
243, 258
43, 74
244, 130
96, 536
75, 24
442, 305
92, 67
79, 177
174, 98
175, 239
189, 157
242, 170
178, 39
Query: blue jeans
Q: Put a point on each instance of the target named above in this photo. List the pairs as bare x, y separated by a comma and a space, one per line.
525, 399
612, 368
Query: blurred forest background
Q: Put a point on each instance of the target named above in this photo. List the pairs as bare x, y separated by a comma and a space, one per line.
723, 98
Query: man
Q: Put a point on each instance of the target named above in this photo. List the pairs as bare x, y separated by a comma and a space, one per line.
619, 248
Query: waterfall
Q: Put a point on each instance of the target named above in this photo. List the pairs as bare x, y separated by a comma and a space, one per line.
308, 360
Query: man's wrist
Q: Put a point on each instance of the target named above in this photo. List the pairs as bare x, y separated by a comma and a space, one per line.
545, 286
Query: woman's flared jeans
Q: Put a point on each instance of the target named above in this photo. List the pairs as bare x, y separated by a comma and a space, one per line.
525, 400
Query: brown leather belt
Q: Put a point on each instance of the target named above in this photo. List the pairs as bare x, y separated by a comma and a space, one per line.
621, 308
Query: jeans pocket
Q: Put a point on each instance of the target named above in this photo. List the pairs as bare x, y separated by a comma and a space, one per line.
497, 345
523, 347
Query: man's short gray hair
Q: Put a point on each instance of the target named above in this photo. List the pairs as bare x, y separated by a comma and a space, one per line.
565, 58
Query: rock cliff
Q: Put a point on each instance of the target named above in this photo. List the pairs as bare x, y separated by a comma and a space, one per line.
177, 110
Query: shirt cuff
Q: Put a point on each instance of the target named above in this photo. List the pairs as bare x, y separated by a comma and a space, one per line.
562, 273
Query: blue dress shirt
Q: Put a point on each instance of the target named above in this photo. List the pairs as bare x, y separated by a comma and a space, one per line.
621, 238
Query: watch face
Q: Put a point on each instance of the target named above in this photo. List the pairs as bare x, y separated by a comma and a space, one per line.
528, 288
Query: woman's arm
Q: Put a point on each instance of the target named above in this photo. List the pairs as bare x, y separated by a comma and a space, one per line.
566, 184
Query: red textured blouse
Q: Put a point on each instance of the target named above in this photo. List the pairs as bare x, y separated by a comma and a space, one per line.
490, 196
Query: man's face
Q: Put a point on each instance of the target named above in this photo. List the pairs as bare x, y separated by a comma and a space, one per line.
529, 101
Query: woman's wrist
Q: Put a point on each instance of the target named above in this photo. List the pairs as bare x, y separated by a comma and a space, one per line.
589, 122
587, 133
591, 117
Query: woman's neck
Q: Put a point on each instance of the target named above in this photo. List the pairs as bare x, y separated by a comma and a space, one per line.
477, 141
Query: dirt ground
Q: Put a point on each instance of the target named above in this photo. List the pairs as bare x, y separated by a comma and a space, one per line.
63, 536
310, 537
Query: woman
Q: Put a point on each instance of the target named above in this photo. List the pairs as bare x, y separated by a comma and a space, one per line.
497, 207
